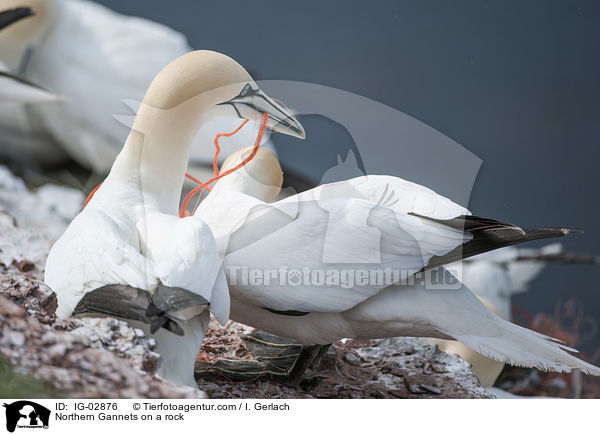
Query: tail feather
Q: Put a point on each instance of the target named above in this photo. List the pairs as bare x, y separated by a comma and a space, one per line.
504, 341
422, 311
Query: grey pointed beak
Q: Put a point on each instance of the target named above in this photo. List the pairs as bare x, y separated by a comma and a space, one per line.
10, 16
251, 103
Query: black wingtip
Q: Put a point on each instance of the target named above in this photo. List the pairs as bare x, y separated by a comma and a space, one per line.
11, 16
488, 235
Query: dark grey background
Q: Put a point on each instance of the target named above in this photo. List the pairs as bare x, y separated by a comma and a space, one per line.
515, 82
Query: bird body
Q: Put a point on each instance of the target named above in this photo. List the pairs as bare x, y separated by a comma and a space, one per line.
15, 91
116, 241
128, 254
416, 230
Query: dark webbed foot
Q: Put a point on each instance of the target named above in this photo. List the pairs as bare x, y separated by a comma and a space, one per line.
279, 359
129, 303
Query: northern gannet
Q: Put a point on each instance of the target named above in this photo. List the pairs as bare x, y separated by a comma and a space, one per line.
368, 223
102, 62
127, 254
14, 89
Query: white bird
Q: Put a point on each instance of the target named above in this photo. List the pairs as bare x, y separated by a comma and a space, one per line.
96, 58
14, 89
373, 222
20, 137
127, 254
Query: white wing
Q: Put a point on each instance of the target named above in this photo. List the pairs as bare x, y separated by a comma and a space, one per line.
359, 229
185, 256
94, 251
403, 196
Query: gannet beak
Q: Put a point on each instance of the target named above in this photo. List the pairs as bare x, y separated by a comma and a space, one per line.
251, 103
12, 15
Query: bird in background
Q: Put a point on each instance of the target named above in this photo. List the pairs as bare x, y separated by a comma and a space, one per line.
417, 230
128, 254
101, 62
14, 89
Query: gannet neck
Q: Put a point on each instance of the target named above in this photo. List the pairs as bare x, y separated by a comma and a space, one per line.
16, 38
261, 177
155, 155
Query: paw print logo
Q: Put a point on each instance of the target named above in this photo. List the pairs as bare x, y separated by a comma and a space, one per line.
294, 277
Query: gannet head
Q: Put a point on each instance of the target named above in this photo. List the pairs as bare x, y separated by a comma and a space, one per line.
216, 85
261, 177
16, 37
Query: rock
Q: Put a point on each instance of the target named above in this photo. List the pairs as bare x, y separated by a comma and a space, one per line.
415, 360
69, 364
351, 358
34, 296
24, 248
118, 337
48, 210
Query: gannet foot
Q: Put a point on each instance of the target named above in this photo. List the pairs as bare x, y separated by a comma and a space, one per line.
309, 357
128, 303
278, 359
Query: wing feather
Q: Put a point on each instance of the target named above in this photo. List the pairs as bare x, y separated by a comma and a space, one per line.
94, 251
